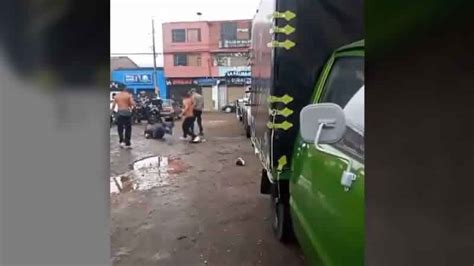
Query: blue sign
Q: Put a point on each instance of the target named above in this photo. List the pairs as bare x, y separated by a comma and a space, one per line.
138, 78
238, 81
206, 82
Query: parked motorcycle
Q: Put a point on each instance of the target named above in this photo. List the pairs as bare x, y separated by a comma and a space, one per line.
112, 118
153, 114
139, 113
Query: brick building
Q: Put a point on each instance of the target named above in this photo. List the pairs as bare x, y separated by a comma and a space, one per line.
211, 56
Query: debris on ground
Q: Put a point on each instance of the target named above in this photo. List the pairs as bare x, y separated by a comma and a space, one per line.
240, 161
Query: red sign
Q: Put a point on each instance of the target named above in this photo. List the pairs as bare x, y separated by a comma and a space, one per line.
179, 81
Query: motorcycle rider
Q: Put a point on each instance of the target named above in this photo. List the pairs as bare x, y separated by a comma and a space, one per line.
143, 98
142, 102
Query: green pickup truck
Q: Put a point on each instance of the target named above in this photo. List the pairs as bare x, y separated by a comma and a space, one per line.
307, 126
326, 189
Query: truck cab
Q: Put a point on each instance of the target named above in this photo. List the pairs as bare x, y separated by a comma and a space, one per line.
323, 203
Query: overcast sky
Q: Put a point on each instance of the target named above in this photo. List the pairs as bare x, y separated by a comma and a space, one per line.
130, 27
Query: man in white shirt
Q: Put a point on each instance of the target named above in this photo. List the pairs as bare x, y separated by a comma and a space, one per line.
198, 107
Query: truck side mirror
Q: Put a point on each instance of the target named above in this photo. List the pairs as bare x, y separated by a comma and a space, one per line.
322, 123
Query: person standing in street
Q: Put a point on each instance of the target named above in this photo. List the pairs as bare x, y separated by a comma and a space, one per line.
188, 122
125, 104
198, 108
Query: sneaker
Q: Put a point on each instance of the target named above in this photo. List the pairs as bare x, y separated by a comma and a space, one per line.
197, 139
128, 146
183, 138
122, 144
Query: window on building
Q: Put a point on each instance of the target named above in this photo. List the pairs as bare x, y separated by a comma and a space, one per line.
194, 60
180, 60
183, 59
230, 59
194, 35
228, 31
178, 35
243, 33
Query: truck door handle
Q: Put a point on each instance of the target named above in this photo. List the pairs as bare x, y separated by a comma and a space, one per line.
348, 177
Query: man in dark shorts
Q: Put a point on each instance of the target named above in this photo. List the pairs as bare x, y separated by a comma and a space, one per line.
125, 104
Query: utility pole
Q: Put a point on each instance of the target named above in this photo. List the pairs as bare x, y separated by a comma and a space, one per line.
155, 83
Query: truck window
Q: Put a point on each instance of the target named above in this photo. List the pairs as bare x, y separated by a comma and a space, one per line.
345, 87
345, 79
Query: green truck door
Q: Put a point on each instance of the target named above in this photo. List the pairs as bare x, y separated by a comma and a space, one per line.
329, 221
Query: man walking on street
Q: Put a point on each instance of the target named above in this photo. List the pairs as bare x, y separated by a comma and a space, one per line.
198, 107
125, 104
188, 123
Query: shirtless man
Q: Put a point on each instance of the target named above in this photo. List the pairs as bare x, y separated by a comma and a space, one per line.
188, 122
125, 103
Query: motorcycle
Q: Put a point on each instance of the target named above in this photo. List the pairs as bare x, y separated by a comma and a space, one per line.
112, 118
153, 113
139, 113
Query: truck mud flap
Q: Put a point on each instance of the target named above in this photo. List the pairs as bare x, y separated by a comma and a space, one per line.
265, 184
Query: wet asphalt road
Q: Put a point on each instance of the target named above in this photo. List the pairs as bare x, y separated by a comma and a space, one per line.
204, 210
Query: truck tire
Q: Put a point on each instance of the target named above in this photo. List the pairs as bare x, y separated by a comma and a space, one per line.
281, 219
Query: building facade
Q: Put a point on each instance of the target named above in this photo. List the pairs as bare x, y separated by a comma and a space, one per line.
211, 56
141, 79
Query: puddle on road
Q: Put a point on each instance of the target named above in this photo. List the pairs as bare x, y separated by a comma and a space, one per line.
147, 173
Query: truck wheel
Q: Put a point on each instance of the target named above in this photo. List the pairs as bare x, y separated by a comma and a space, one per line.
281, 220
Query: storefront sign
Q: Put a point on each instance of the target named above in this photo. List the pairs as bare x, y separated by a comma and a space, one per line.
138, 78
179, 82
238, 74
238, 81
206, 82
234, 43
224, 70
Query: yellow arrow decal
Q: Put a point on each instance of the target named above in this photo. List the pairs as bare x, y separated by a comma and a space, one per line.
286, 99
286, 30
288, 15
287, 44
282, 162
285, 125
284, 112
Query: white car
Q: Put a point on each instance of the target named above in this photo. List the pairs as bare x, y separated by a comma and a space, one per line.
248, 121
240, 108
